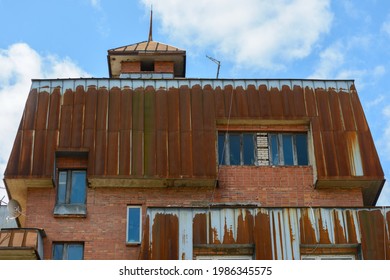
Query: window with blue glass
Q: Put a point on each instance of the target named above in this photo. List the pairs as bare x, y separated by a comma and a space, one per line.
237, 148
68, 251
262, 148
72, 187
133, 233
288, 149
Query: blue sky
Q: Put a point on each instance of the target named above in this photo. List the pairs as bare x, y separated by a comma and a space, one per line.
319, 39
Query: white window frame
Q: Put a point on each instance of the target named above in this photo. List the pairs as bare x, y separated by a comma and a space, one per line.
140, 224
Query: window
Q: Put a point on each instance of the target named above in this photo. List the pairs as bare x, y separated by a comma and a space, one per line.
71, 193
237, 148
71, 187
288, 149
133, 233
68, 251
261, 148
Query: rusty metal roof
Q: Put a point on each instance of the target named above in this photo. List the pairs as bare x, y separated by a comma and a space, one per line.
145, 46
174, 119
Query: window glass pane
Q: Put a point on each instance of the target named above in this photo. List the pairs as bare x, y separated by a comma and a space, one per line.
235, 147
221, 148
248, 149
57, 251
274, 149
75, 252
288, 149
78, 187
301, 143
133, 224
61, 194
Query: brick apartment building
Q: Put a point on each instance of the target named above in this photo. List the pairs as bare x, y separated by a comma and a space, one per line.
149, 164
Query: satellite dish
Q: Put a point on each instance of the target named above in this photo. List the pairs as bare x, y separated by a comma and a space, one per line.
14, 209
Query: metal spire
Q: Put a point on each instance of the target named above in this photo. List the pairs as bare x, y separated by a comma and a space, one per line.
151, 25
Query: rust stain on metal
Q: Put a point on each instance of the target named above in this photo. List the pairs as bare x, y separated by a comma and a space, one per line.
165, 237
172, 124
308, 235
339, 228
200, 229
245, 227
374, 235
262, 236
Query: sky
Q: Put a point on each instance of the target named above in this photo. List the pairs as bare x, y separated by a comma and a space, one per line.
314, 39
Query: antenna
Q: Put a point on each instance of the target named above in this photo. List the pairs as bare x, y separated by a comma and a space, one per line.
151, 25
217, 62
14, 209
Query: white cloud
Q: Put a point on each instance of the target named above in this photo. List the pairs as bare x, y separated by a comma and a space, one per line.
19, 64
250, 33
95, 4
331, 59
386, 26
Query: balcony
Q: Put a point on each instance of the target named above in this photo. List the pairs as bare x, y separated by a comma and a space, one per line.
21, 244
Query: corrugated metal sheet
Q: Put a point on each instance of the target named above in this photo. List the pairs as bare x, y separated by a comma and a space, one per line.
276, 233
156, 128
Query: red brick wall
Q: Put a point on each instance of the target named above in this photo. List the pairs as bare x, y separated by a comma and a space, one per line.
104, 228
163, 66
131, 67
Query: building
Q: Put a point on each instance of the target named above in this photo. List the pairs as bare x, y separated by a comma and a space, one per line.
149, 164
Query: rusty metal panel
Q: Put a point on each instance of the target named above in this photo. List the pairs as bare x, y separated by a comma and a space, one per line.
288, 102
54, 109
354, 156
26, 152
185, 131
276, 102
112, 153
50, 147
330, 155
102, 109
277, 233
42, 110
241, 98
208, 109
319, 153
219, 103
230, 105
90, 112
126, 107
299, 101
12, 168
337, 118
371, 163
360, 118
375, 234
125, 152
78, 118
164, 234
346, 108
264, 101
311, 103
30, 110
174, 132
100, 152
253, 102
39, 152
66, 120
324, 113
137, 159
114, 112
197, 131
162, 133
340, 145
149, 141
